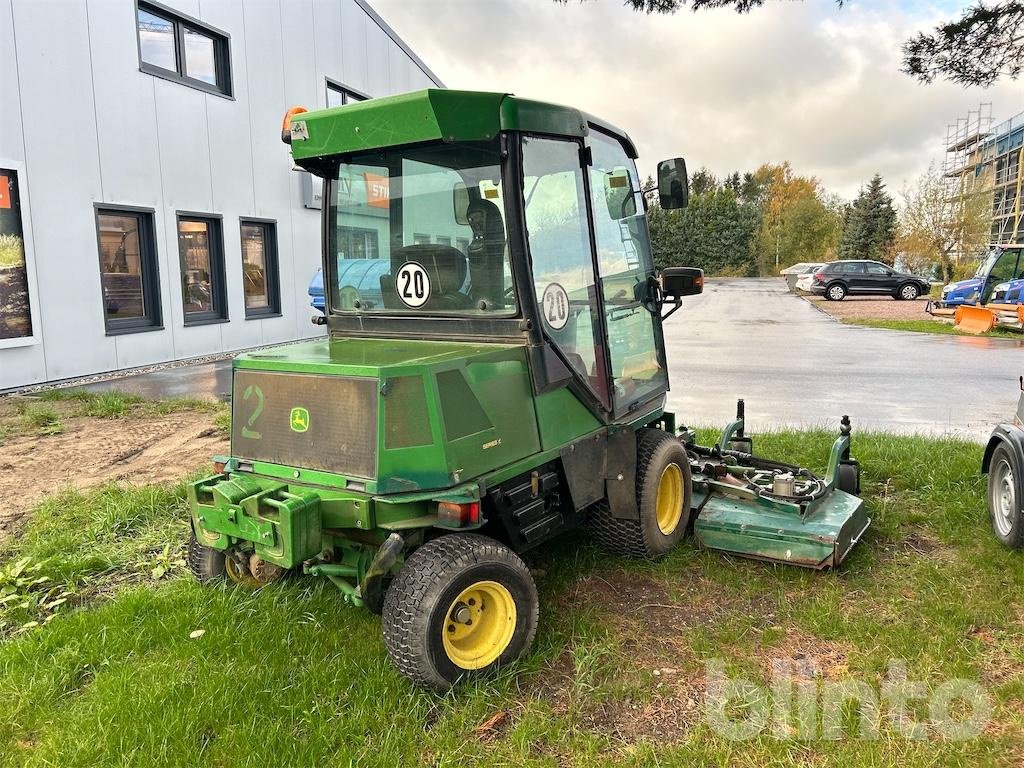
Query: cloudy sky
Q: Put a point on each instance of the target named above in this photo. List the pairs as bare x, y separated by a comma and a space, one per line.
798, 81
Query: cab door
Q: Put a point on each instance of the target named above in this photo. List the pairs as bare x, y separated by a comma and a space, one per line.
637, 367
1004, 270
562, 259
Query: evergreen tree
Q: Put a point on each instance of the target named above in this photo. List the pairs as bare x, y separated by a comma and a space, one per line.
869, 230
733, 183
714, 232
702, 182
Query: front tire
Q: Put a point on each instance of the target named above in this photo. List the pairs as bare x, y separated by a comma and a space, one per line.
835, 292
908, 292
463, 605
1005, 498
664, 490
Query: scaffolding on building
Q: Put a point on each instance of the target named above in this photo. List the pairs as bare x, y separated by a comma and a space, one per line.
1004, 153
964, 170
983, 158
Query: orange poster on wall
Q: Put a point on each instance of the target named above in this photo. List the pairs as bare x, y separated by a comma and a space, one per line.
378, 190
5, 191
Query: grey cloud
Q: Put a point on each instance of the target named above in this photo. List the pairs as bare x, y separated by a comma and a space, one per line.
794, 81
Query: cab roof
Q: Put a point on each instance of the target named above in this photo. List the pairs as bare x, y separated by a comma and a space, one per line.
431, 115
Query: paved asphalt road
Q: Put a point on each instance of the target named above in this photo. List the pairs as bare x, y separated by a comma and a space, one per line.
795, 365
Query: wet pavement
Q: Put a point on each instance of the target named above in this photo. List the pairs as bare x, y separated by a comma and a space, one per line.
793, 364
211, 380
796, 366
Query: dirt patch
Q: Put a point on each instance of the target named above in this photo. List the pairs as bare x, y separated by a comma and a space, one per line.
90, 452
800, 656
870, 308
674, 707
640, 601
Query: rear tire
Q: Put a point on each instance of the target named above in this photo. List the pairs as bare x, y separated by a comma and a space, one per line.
663, 494
1005, 497
206, 563
462, 606
835, 292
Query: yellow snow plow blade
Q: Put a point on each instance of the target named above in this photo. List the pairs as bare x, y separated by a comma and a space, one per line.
974, 319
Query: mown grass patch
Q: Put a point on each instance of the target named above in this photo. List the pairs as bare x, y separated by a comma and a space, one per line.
928, 326
292, 675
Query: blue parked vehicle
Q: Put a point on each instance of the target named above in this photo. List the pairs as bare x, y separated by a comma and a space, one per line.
999, 279
359, 280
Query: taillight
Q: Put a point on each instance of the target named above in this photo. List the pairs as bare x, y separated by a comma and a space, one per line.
457, 515
819, 276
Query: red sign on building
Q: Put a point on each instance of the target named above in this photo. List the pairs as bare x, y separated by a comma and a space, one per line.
378, 190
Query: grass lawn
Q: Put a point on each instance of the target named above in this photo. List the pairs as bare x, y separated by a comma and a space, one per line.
929, 326
120, 674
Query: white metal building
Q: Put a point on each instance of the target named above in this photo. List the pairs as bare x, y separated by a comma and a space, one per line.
148, 209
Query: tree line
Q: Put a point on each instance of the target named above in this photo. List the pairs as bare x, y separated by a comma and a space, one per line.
757, 223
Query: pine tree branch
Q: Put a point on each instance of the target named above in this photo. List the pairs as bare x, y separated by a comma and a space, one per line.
985, 44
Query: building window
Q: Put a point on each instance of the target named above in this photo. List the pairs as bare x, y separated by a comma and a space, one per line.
15, 311
128, 269
338, 95
180, 48
418, 238
259, 268
201, 249
358, 243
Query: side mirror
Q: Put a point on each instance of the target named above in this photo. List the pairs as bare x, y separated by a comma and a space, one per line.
618, 194
673, 184
677, 282
460, 203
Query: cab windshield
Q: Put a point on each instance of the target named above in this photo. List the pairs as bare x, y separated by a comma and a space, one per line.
988, 263
420, 230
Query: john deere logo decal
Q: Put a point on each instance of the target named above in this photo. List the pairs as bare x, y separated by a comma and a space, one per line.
299, 420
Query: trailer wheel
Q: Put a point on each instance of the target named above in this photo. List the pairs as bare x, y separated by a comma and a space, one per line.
206, 563
462, 605
1005, 498
663, 494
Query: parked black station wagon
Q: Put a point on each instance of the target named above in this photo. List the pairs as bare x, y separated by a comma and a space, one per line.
841, 278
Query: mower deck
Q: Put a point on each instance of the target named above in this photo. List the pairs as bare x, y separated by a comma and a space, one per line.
768, 532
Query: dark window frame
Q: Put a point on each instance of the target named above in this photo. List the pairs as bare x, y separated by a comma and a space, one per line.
149, 262
221, 50
271, 268
348, 94
218, 273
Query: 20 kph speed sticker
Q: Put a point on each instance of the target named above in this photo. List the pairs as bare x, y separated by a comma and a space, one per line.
413, 285
555, 306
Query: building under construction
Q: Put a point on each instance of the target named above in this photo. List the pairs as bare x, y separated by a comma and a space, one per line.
982, 157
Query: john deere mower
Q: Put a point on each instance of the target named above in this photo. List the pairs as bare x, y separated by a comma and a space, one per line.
500, 380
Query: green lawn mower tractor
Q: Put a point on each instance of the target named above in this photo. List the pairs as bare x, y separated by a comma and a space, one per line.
499, 381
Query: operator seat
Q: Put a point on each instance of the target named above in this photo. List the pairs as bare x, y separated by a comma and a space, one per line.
486, 253
446, 269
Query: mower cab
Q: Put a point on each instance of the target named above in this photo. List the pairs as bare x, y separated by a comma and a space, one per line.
494, 374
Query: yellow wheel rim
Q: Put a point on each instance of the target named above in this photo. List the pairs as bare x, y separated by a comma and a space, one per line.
479, 625
670, 499
237, 576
